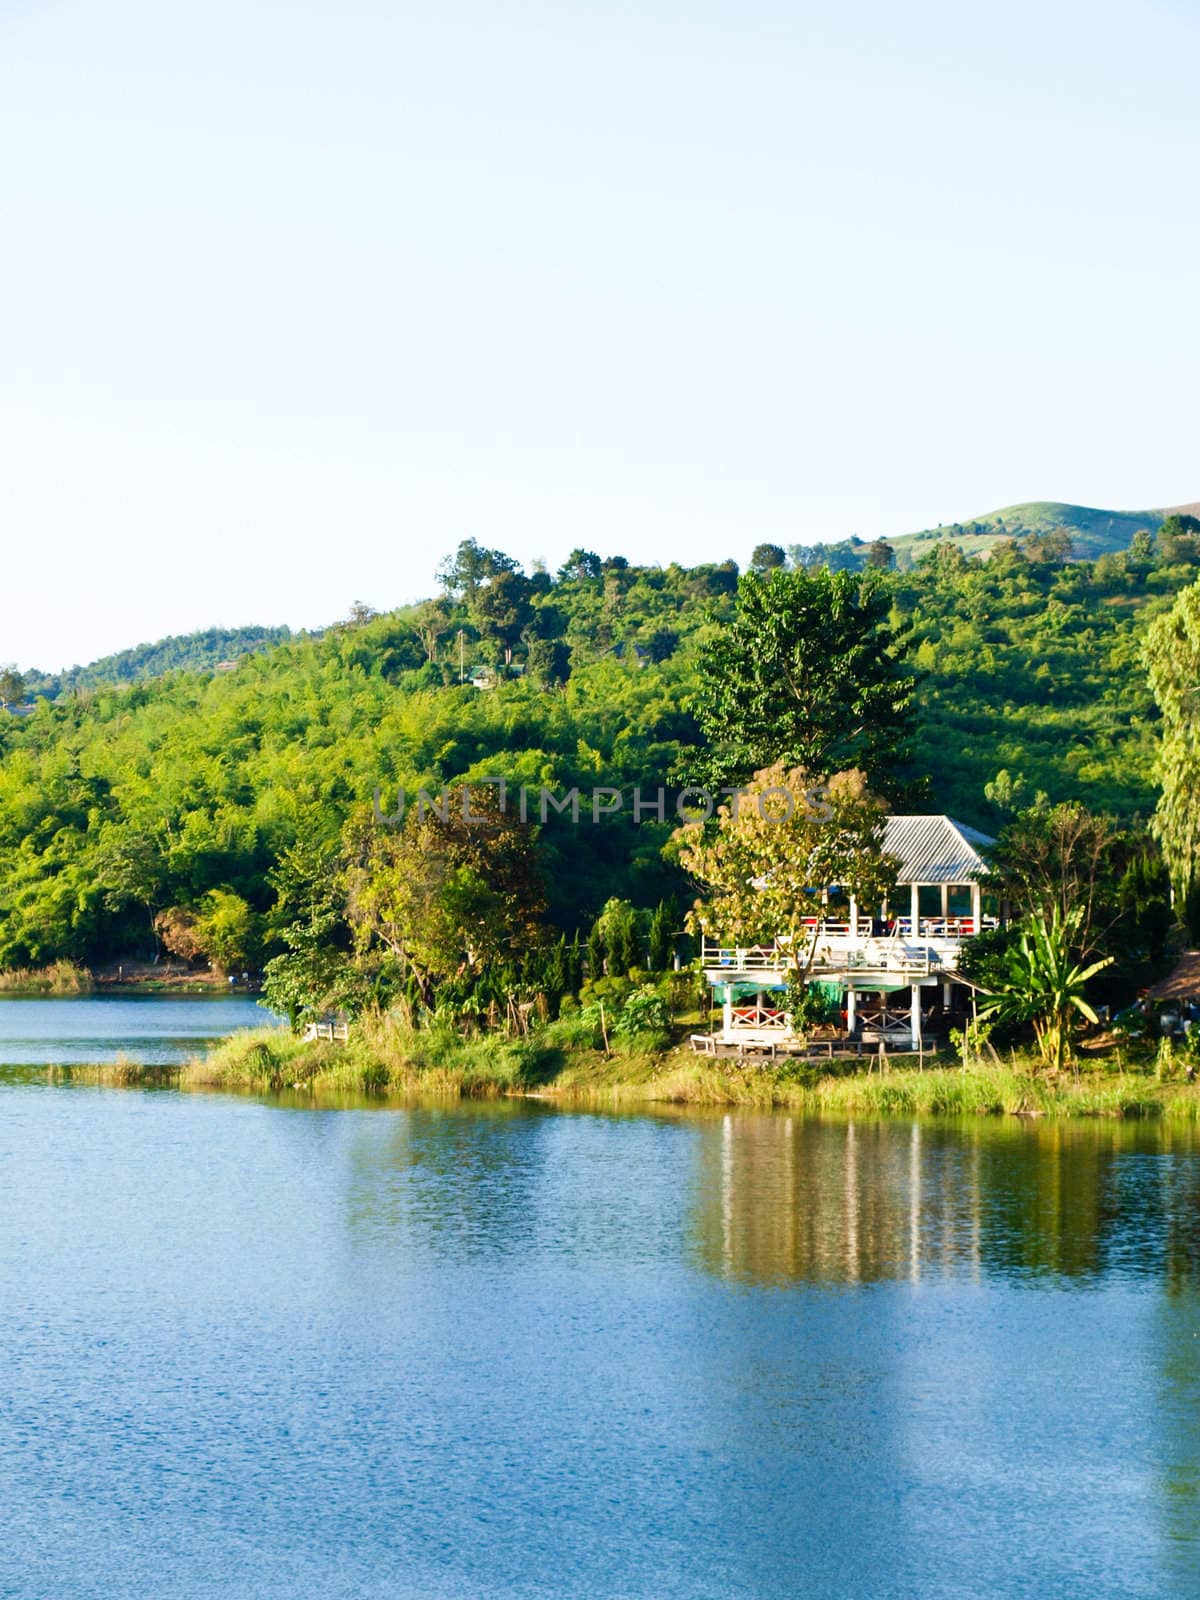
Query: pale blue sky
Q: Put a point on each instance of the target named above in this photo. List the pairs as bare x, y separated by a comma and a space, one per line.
295, 297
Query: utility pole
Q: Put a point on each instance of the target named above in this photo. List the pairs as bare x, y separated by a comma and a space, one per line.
461, 669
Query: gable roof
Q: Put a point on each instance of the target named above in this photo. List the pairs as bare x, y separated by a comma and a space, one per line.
935, 849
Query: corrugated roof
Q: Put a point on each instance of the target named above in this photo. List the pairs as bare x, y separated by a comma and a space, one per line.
935, 849
1183, 983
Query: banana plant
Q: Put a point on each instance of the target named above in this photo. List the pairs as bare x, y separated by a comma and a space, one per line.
1040, 982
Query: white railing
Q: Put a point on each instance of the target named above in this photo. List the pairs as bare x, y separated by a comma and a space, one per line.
334, 1032
745, 958
775, 957
758, 1017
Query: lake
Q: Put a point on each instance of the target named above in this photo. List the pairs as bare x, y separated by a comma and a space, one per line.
251, 1348
159, 1030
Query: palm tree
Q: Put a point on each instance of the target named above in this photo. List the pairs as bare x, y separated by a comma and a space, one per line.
1040, 982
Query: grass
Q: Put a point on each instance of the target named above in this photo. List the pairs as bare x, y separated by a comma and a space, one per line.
561, 1063
63, 977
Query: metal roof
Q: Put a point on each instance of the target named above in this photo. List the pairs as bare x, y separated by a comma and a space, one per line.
935, 849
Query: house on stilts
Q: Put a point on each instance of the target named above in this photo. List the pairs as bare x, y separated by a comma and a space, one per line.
890, 969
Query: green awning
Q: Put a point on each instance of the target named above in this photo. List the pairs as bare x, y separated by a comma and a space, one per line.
732, 992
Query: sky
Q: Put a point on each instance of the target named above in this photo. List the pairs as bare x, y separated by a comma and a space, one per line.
293, 298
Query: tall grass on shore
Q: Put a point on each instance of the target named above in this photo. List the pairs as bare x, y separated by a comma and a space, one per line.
562, 1063
62, 977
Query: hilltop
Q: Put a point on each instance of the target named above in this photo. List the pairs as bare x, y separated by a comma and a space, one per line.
202, 651
1093, 530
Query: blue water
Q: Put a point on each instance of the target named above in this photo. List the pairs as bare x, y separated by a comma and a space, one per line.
250, 1348
157, 1031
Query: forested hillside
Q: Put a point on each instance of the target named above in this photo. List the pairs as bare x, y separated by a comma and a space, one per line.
124, 804
183, 652
1078, 532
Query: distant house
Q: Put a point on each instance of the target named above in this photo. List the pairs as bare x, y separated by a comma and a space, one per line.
483, 677
892, 967
225, 666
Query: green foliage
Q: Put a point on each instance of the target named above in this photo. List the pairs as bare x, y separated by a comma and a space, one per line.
660, 938
809, 1005
1172, 655
186, 652
12, 685
644, 1011
807, 673
1038, 981
227, 930
120, 803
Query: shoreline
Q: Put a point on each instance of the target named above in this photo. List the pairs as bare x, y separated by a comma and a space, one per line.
392, 1066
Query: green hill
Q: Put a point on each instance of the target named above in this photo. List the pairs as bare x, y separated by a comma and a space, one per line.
181, 796
1093, 530
202, 651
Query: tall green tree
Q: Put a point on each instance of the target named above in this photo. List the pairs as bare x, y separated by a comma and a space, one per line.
501, 608
809, 673
12, 685
1172, 658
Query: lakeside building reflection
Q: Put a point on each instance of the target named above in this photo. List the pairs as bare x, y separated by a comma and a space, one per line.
781, 1199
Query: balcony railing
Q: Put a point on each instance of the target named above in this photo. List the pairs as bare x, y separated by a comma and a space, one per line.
865, 931
758, 1017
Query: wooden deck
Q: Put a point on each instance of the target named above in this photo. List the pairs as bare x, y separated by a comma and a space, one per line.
811, 1050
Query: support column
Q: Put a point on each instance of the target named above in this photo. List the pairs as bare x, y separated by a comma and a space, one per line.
916, 1016
977, 906
853, 917
945, 902
727, 1014
916, 911
851, 1017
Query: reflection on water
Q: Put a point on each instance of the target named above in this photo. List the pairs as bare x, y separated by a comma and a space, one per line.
460, 1351
782, 1198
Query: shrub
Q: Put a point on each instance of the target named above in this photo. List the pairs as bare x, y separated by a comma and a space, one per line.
644, 1012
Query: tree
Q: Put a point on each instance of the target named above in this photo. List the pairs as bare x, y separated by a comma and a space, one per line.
1179, 539
1140, 555
313, 973
446, 895
579, 566
619, 931
1061, 858
501, 609
774, 851
662, 644
660, 939
1005, 791
1172, 658
176, 929
1052, 545
1144, 897
12, 685
768, 557
548, 662
881, 555
471, 565
808, 674
596, 950
227, 930
1040, 982
431, 620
